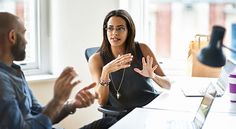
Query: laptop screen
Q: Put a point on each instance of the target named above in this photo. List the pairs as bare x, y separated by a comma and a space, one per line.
204, 107
229, 65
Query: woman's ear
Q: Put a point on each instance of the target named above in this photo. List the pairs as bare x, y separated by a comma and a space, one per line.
12, 36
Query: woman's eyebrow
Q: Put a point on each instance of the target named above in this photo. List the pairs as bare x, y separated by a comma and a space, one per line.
117, 25
120, 25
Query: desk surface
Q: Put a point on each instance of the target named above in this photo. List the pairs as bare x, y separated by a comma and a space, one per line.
141, 118
174, 99
152, 115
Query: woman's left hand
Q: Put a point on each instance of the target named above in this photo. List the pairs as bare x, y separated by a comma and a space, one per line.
148, 69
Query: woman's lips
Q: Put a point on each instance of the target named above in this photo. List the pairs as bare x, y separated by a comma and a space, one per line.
115, 39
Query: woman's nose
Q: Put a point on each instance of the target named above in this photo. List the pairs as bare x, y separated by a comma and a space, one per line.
114, 32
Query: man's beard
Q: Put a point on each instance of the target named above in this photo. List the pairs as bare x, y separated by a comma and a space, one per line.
18, 50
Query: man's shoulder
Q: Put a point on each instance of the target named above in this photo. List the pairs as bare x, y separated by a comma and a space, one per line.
5, 81
4, 75
6, 89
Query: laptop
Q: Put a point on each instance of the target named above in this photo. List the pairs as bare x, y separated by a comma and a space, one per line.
201, 113
220, 84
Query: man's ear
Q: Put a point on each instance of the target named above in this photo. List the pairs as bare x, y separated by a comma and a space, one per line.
12, 36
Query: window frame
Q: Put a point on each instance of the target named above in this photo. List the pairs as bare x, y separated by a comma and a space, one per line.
42, 36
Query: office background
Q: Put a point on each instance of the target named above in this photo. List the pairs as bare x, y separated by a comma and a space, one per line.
75, 25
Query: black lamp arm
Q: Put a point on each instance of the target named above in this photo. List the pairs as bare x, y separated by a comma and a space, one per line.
232, 50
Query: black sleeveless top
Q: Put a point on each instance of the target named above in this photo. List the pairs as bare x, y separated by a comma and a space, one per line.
136, 90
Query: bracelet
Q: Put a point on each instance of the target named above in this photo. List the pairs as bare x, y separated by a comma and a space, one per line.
68, 108
104, 82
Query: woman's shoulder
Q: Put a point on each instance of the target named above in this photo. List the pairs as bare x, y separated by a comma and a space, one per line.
95, 59
144, 47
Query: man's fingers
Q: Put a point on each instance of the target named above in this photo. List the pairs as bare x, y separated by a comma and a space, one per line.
96, 95
68, 79
67, 75
66, 71
85, 98
63, 78
89, 96
79, 99
92, 85
75, 83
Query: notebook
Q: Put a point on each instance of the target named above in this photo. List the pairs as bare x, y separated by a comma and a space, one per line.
220, 84
201, 113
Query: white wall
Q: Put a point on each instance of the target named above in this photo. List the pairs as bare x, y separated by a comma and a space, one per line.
75, 25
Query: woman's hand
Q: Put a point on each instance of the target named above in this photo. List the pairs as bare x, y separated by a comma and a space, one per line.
148, 69
121, 62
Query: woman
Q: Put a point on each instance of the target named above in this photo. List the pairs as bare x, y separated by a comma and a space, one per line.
124, 68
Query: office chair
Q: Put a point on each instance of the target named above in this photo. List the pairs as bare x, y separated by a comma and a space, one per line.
107, 109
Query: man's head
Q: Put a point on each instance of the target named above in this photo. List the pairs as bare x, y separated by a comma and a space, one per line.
12, 40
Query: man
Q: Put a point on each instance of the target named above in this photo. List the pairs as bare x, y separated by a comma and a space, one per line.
18, 107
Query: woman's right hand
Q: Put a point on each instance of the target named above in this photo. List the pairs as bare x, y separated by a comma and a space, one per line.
121, 62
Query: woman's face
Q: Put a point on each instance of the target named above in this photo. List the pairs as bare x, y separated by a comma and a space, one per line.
116, 31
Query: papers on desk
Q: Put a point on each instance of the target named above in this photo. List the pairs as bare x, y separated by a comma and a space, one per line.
170, 101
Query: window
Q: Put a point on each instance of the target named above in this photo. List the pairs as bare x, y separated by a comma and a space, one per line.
169, 26
34, 14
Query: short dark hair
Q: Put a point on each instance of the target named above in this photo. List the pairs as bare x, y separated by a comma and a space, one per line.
130, 44
8, 22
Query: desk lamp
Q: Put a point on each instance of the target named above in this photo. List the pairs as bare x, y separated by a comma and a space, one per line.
212, 55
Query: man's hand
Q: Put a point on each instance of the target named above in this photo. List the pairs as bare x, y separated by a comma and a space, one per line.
64, 85
84, 97
62, 90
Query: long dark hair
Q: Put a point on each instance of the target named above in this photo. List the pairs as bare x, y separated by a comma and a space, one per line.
105, 48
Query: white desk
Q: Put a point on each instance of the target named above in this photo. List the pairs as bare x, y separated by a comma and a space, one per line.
173, 104
174, 99
141, 118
